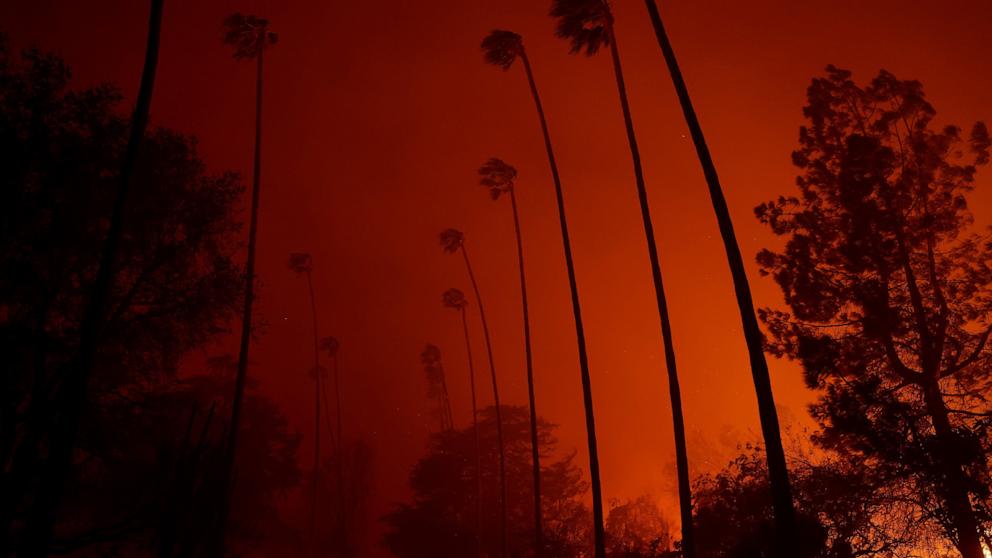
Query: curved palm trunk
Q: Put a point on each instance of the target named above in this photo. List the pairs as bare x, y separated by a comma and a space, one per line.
316, 419
599, 535
478, 449
785, 520
338, 465
71, 397
675, 394
504, 539
242, 373
598, 519
535, 448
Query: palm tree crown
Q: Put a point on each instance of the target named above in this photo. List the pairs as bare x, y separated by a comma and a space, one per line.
498, 176
300, 262
330, 345
501, 48
585, 23
248, 35
452, 240
454, 298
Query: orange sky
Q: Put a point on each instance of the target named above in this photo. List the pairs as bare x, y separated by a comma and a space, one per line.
378, 114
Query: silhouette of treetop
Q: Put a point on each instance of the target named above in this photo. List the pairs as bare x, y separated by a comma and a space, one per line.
330, 345
452, 240
454, 298
583, 22
501, 48
498, 176
301, 262
248, 35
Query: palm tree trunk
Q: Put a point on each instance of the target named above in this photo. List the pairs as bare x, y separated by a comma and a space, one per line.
246, 318
475, 428
338, 462
785, 519
316, 419
674, 391
504, 538
535, 448
71, 397
599, 534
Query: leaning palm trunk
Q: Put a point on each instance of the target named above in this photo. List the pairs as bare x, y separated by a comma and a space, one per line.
475, 428
504, 538
535, 449
317, 372
785, 521
674, 392
71, 397
596, 486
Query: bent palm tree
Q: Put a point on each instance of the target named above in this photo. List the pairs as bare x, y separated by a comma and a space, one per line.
302, 264
501, 48
455, 299
249, 36
500, 178
71, 396
777, 471
588, 25
452, 241
332, 346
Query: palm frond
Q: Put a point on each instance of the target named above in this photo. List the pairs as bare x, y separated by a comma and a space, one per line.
584, 23
330, 345
300, 262
498, 176
501, 48
247, 34
451, 240
454, 298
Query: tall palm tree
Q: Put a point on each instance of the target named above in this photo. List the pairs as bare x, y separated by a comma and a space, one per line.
452, 241
71, 397
455, 299
500, 178
250, 37
437, 384
502, 48
778, 473
332, 347
302, 264
588, 25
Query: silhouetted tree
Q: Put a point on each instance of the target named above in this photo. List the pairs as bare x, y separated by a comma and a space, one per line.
302, 264
439, 522
71, 395
332, 346
844, 510
249, 36
588, 26
455, 299
175, 281
781, 489
500, 178
502, 48
637, 529
454, 241
889, 299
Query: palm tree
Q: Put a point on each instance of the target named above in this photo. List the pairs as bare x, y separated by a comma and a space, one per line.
71, 397
455, 299
302, 264
588, 24
249, 36
500, 178
437, 384
777, 471
332, 346
452, 241
501, 48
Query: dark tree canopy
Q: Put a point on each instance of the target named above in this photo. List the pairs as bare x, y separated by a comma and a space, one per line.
178, 282
888, 289
440, 522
